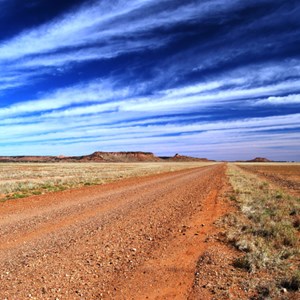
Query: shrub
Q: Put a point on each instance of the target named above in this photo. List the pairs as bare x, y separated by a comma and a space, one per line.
292, 283
242, 263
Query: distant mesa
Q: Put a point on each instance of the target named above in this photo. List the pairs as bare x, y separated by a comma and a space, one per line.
177, 158
98, 156
259, 159
137, 156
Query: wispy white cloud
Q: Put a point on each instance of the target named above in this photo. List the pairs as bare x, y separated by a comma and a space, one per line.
290, 99
108, 51
179, 102
95, 91
102, 95
83, 128
100, 31
91, 24
67, 31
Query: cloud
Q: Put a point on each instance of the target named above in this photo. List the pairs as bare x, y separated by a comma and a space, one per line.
95, 91
100, 96
100, 31
112, 50
91, 24
85, 34
83, 128
179, 102
290, 99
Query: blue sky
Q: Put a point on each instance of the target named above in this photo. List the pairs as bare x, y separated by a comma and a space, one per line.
217, 79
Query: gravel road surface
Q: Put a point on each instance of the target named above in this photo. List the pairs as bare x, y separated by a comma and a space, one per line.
138, 238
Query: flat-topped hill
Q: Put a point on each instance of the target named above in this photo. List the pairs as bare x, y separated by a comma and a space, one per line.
99, 156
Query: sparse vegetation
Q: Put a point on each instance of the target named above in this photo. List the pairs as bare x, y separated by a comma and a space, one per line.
293, 282
19, 180
266, 232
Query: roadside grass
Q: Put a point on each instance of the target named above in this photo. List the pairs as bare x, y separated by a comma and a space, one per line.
266, 230
19, 180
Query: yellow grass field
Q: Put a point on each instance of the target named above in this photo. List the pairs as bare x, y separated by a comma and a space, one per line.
18, 180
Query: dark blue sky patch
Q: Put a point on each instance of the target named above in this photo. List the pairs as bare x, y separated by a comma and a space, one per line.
19, 14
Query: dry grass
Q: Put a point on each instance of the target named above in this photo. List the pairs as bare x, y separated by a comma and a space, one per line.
266, 232
18, 180
285, 175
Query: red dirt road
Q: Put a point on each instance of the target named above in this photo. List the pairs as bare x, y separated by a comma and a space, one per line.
134, 239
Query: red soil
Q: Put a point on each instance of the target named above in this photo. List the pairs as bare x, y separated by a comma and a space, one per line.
133, 239
285, 176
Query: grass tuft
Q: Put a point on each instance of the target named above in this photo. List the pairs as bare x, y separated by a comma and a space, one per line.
292, 283
242, 263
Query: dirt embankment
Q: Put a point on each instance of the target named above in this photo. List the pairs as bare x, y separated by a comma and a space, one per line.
132, 239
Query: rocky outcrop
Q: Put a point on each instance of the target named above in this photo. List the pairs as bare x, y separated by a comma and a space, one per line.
121, 157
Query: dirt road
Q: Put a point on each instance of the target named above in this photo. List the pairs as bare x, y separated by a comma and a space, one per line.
134, 239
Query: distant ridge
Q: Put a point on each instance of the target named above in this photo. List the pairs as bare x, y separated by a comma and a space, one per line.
177, 157
117, 157
259, 159
98, 156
